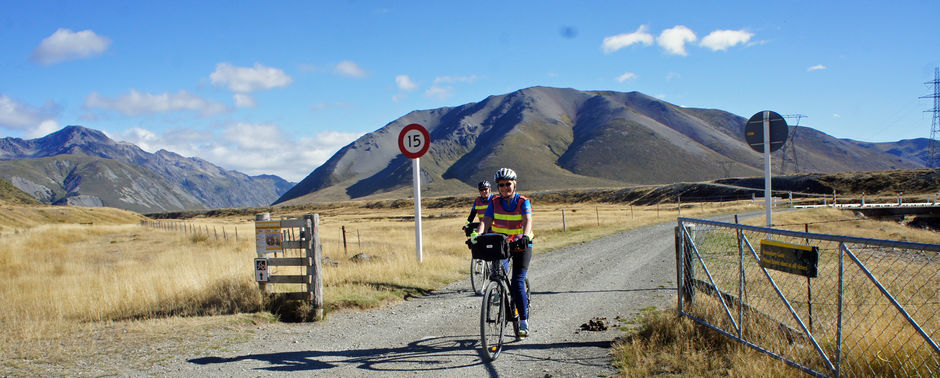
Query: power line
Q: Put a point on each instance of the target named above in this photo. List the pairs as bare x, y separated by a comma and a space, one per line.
933, 160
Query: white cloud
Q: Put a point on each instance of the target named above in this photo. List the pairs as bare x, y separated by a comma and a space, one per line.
244, 101
45, 128
405, 83
723, 39
674, 39
246, 136
252, 149
19, 116
349, 69
836, 115
626, 76
619, 41
143, 138
65, 45
439, 92
249, 79
816, 67
673, 75
136, 103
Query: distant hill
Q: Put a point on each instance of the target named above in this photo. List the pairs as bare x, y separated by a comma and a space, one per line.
562, 138
13, 195
914, 149
82, 166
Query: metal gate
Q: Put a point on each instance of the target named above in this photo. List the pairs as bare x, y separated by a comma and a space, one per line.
829, 305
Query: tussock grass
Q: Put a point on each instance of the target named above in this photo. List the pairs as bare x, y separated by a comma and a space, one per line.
666, 344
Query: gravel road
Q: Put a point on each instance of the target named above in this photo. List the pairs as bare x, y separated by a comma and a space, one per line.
438, 334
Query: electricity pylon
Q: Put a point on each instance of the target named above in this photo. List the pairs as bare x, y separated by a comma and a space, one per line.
932, 160
790, 145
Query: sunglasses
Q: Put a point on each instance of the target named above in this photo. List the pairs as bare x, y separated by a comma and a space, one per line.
504, 185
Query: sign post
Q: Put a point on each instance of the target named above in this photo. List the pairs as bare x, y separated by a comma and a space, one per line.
413, 141
766, 132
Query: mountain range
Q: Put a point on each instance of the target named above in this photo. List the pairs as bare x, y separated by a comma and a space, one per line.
555, 139
558, 138
82, 166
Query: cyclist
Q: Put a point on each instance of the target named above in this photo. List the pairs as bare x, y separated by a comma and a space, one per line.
510, 214
480, 203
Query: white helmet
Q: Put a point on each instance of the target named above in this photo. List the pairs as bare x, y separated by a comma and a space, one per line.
504, 174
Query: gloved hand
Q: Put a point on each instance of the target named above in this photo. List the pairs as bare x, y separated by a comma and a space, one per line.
473, 237
467, 223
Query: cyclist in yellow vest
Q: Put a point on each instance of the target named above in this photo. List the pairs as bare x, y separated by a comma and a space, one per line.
480, 203
511, 214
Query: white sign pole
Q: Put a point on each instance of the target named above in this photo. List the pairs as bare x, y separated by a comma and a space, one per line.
416, 175
768, 201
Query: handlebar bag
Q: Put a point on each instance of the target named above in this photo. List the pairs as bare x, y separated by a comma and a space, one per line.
491, 247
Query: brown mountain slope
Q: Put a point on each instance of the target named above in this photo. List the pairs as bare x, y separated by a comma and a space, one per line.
562, 138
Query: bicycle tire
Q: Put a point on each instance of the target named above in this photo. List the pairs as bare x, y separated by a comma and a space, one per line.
479, 275
493, 319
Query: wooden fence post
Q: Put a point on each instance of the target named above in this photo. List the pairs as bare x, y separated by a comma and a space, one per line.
345, 250
262, 217
314, 252
564, 226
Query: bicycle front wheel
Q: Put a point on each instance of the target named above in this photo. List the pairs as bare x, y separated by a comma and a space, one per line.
493, 319
479, 273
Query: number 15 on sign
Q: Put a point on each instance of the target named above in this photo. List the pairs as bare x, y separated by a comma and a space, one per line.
413, 141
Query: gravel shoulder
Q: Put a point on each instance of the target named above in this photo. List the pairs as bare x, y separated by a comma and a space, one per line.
438, 334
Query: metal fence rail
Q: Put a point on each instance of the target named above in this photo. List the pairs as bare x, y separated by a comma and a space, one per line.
863, 307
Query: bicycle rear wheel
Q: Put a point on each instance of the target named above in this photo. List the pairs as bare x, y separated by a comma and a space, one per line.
493, 319
479, 274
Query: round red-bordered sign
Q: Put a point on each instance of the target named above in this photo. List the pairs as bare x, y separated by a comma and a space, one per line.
413, 141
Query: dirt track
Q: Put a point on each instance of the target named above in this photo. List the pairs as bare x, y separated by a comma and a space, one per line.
438, 334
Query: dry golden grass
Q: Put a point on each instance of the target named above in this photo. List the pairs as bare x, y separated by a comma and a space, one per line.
72, 283
15, 218
81, 278
667, 344
827, 220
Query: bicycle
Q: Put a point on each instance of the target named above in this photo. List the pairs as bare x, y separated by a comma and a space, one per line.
498, 307
479, 270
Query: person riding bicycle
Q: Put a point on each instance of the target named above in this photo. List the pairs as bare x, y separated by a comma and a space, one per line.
510, 214
481, 203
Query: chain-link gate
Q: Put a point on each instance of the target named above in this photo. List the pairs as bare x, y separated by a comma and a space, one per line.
829, 305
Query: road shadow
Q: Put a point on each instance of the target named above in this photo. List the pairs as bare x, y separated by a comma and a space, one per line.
426, 355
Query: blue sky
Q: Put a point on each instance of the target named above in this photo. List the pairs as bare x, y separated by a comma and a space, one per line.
278, 87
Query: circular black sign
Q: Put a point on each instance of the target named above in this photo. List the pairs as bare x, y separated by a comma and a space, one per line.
754, 131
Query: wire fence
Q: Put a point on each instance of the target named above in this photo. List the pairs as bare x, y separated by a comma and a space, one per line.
215, 232
829, 305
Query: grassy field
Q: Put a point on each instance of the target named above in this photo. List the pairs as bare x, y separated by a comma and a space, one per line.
76, 286
665, 344
94, 284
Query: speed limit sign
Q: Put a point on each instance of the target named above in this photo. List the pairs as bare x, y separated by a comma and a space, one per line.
413, 141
